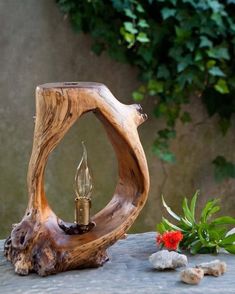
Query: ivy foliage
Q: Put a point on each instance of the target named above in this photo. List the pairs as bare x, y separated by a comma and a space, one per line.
181, 47
223, 168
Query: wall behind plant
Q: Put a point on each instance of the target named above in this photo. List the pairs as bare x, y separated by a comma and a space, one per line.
45, 49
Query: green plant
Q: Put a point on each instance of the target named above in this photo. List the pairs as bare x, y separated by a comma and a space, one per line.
206, 235
181, 48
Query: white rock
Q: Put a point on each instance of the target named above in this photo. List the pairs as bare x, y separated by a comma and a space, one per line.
214, 268
192, 276
165, 259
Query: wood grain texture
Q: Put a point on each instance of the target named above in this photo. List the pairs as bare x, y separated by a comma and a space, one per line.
37, 243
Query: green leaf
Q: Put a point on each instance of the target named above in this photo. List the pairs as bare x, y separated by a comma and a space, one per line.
214, 210
137, 96
143, 24
224, 220
146, 54
174, 215
198, 56
210, 63
187, 213
129, 13
220, 230
213, 235
193, 204
209, 209
230, 239
215, 5
182, 34
164, 155
175, 52
161, 228
205, 42
190, 237
139, 8
186, 222
155, 87
173, 2
184, 63
195, 247
172, 226
232, 25
203, 235
161, 109
230, 248
182, 80
142, 38
201, 66
129, 27
215, 102
217, 18
168, 12
221, 86
128, 37
218, 53
216, 71
190, 44
167, 134
163, 72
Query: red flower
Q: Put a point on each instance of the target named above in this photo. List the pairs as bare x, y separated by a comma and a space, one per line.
170, 240
159, 239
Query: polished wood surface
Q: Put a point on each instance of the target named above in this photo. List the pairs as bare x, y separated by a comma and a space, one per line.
37, 243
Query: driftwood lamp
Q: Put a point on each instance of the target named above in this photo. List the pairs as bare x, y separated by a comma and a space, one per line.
42, 242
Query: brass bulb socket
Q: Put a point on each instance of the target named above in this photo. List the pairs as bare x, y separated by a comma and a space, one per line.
82, 211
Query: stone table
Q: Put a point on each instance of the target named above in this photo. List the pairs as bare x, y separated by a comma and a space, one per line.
128, 271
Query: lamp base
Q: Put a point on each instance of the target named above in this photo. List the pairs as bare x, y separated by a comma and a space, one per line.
74, 228
42, 243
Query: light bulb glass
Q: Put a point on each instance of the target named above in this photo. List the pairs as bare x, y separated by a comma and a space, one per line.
83, 180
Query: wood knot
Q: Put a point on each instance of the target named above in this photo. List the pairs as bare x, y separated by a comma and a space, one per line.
140, 116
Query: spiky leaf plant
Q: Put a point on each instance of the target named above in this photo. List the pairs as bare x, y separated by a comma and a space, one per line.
205, 235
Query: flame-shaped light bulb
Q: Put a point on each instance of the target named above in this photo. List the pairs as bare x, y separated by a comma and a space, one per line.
83, 188
83, 181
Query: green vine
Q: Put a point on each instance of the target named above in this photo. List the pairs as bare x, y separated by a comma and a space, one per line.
181, 47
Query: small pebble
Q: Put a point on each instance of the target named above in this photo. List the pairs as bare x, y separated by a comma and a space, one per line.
192, 276
214, 268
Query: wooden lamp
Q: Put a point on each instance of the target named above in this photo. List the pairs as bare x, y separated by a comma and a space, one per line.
41, 242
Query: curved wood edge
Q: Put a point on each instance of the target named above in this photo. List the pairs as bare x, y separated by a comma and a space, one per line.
37, 243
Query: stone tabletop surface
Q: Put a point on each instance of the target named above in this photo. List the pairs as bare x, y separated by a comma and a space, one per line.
128, 271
